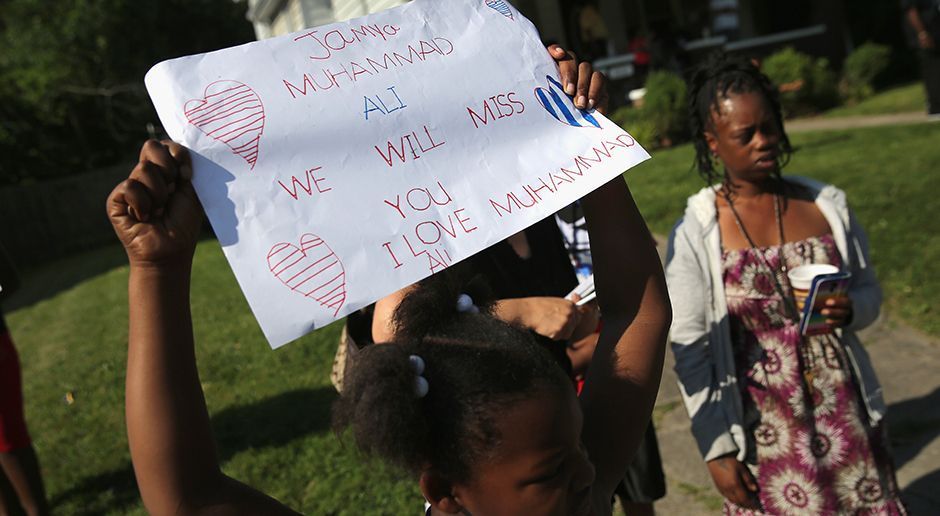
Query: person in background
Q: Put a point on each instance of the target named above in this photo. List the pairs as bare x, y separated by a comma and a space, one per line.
665, 48
530, 275
922, 19
593, 32
21, 485
638, 45
787, 423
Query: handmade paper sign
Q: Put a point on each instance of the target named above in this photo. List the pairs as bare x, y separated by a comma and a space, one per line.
341, 163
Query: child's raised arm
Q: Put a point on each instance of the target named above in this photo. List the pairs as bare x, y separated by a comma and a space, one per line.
157, 217
621, 386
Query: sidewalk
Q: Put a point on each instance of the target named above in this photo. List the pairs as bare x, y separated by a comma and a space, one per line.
907, 363
852, 122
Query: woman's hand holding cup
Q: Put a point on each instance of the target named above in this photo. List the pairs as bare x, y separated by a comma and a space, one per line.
837, 308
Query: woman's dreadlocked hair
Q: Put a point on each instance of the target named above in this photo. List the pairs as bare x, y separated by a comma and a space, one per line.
720, 75
476, 366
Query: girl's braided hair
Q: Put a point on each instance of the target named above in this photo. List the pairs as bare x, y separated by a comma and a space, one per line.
477, 369
720, 75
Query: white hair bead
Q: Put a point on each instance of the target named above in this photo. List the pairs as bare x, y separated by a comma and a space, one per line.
421, 386
465, 304
417, 363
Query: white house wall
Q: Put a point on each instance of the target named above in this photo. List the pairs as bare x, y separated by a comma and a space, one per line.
346, 9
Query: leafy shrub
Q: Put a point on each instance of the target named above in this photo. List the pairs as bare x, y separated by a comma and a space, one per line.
661, 119
806, 85
664, 105
790, 71
861, 68
634, 121
825, 85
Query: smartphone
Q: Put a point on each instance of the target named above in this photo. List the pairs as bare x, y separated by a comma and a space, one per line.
824, 287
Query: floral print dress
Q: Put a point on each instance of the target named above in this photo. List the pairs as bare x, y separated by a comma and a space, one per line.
811, 447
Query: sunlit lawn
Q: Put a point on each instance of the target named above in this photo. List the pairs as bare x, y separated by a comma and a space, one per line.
270, 409
899, 99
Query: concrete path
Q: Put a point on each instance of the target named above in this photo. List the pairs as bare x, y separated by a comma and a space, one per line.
852, 122
908, 365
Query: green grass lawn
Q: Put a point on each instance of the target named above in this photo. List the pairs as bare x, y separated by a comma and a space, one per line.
900, 99
270, 409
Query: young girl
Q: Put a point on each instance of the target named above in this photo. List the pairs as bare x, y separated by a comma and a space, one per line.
475, 408
21, 485
787, 424
497, 425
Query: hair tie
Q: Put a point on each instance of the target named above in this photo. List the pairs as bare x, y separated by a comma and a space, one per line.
421, 383
465, 304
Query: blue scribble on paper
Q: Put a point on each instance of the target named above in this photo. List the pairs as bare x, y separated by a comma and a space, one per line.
501, 7
560, 106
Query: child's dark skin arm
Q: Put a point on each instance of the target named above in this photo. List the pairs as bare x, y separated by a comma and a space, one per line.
622, 383
553, 317
158, 218
621, 386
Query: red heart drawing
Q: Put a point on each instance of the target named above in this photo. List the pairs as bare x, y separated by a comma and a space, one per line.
313, 270
232, 113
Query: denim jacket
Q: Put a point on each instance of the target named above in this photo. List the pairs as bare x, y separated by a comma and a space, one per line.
701, 334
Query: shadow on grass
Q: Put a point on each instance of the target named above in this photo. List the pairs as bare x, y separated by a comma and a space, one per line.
913, 424
112, 491
46, 281
271, 422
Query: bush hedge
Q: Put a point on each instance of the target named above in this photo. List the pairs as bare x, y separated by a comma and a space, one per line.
861, 69
662, 117
806, 85
634, 121
665, 105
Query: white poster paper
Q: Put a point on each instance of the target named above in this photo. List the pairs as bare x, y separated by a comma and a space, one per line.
342, 163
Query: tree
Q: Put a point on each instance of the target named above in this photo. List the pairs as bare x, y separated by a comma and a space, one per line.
71, 75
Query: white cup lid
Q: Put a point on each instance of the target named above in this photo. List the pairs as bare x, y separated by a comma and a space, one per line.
802, 277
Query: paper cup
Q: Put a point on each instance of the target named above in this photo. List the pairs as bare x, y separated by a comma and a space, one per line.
801, 279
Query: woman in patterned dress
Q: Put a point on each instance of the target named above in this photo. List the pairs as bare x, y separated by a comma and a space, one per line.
787, 424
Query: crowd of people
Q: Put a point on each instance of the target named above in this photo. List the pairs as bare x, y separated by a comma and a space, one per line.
500, 393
